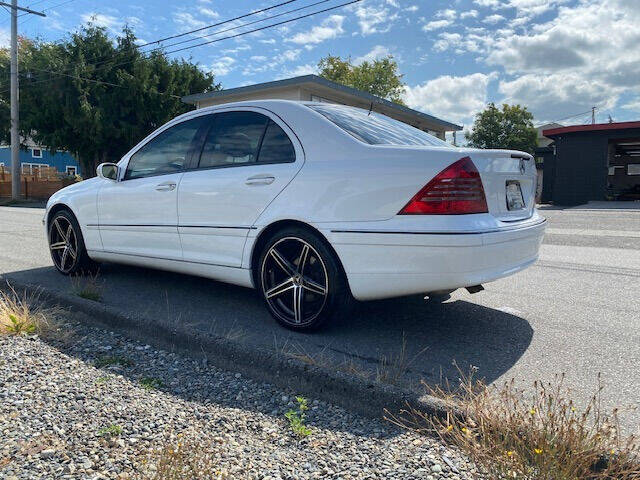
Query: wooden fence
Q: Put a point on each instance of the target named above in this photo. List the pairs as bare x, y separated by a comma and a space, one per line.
39, 183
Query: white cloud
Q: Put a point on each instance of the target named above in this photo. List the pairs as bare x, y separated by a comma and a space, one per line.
207, 12
447, 40
555, 96
633, 105
411, 8
5, 38
306, 69
436, 25
453, 98
448, 14
469, 14
187, 21
258, 58
287, 56
328, 29
374, 18
102, 20
377, 52
488, 3
493, 19
223, 66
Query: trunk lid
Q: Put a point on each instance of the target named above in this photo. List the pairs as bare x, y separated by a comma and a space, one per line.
503, 172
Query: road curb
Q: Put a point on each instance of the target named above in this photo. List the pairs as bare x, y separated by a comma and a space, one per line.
358, 395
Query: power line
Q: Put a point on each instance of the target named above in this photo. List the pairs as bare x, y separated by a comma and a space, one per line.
101, 82
218, 24
107, 60
210, 41
240, 26
263, 28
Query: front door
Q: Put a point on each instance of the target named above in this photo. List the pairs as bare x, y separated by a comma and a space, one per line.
246, 160
138, 213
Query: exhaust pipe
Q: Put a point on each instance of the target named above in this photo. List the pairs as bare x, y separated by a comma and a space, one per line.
475, 288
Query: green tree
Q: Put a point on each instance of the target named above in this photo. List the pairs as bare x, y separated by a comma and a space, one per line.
379, 77
96, 97
511, 128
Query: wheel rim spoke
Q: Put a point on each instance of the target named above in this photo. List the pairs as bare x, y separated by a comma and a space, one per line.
280, 289
60, 231
63, 259
71, 252
302, 260
57, 245
298, 303
282, 262
312, 286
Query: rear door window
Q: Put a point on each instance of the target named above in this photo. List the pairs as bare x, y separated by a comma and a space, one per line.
276, 146
234, 139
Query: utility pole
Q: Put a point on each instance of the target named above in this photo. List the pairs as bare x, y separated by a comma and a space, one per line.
593, 115
15, 106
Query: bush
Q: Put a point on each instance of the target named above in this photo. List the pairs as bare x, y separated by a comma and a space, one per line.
538, 434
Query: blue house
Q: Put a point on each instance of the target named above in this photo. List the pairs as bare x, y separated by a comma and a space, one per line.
34, 157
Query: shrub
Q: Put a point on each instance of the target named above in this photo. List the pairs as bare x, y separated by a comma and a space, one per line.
530, 434
24, 314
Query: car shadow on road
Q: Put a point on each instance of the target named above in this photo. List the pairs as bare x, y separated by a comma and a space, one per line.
427, 340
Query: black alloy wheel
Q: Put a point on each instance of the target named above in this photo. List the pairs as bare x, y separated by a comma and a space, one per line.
301, 280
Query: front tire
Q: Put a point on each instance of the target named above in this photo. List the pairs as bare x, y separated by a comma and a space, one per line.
301, 280
66, 245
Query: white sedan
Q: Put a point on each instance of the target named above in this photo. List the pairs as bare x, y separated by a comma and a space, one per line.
312, 204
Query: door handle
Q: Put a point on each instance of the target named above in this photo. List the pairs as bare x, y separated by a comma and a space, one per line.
166, 187
260, 180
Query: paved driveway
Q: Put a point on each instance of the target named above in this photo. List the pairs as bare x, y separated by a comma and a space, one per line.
576, 311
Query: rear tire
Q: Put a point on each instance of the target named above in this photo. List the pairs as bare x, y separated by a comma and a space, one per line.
301, 280
66, 245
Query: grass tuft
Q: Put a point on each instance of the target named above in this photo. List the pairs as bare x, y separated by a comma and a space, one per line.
88, 286
151, 383
110, 431
24, 314
532, 434
183, 460
112, 360
393, 367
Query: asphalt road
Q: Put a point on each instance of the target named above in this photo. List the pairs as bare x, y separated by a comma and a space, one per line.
577, 311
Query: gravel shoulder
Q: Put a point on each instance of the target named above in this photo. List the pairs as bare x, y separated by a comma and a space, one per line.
59, 396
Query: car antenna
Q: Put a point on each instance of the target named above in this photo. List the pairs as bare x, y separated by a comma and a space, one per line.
370, 108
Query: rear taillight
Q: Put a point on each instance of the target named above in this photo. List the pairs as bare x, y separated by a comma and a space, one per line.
454, 191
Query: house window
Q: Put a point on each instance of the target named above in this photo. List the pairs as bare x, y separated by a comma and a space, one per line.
33, 168
36, 153
71, 170
633, 169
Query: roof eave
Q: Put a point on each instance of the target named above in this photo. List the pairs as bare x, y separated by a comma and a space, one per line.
315, 79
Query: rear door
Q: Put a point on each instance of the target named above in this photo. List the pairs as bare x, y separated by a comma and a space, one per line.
247, 159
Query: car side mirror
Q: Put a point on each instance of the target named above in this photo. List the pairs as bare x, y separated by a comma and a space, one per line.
108, 171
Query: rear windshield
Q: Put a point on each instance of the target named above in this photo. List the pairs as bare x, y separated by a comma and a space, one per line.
374, 128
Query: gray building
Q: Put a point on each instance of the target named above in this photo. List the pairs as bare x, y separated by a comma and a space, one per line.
318, 89
592, 162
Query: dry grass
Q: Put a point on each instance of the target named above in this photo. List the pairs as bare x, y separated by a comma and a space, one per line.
24, 314
183, 460
539, 434
393, 367
88, 286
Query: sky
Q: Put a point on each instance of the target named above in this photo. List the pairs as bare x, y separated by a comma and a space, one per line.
556, 57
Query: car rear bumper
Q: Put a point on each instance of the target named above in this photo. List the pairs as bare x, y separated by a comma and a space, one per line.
384, 264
